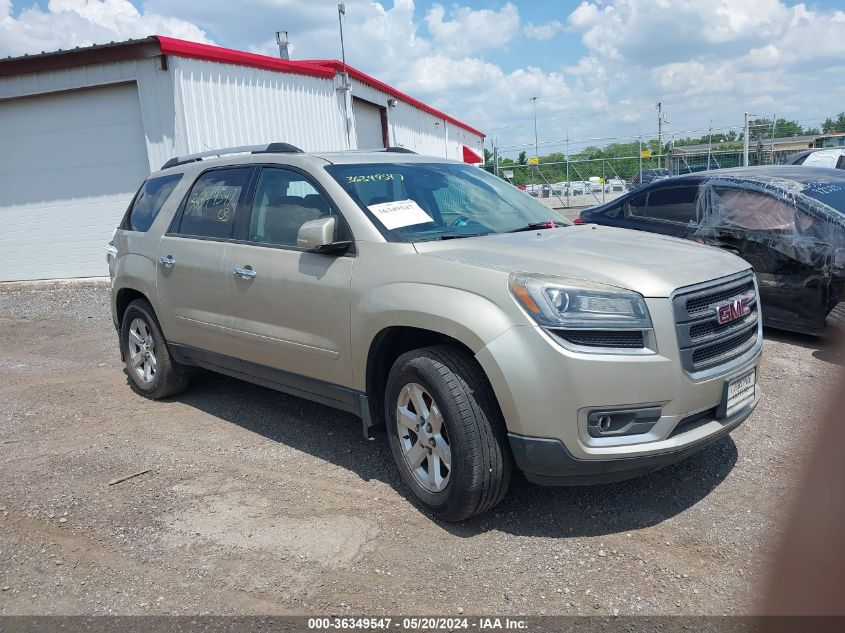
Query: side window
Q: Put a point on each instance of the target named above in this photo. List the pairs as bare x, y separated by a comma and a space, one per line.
148, 202
614, 212
751, 210
672, 204
284, 201
636, 207
213, 202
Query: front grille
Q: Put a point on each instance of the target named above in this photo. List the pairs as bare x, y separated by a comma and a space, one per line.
704, 342
704, 303
629, 339
724, 347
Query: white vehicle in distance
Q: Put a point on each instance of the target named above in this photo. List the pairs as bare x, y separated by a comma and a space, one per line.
833, 158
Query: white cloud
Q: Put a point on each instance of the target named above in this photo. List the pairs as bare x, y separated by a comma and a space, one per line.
704, 59
468, 30
542, 31
69, 23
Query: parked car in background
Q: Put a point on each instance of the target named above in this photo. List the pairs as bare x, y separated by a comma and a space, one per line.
788, 222
647, 176
435, 298
831, 158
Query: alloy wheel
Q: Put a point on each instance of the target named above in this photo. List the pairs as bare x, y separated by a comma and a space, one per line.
423, 438
142, 352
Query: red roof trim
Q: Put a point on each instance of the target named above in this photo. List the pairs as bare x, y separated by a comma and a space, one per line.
325, 68
380, 85
182, 48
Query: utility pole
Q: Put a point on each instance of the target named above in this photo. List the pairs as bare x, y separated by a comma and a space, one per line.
345, 87
495, 160
660, 121
745, 143
568, 183
640, 175
536, 144
709, 144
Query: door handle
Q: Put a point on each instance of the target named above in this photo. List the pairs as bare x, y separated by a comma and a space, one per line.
245, 273
167, 261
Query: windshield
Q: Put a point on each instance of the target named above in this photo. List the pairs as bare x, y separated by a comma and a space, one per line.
414, 202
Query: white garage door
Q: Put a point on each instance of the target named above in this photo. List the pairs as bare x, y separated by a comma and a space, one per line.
70, 164
368, 124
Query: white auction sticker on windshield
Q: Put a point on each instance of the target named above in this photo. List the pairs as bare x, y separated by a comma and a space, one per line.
395, 215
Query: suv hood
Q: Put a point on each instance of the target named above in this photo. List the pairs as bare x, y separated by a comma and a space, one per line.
653, 265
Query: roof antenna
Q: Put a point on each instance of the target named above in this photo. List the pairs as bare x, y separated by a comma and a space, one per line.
282, 41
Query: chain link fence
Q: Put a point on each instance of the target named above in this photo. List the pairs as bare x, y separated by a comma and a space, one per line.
586, 182
589, 182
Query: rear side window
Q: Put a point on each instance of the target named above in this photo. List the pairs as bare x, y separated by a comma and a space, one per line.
213, 203
148, 202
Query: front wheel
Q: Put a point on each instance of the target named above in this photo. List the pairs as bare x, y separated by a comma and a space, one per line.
446, 432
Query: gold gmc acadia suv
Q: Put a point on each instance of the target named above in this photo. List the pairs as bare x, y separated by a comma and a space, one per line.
432, 297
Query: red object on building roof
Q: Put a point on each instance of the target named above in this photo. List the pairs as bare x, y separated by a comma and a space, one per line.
471, 156
183, 48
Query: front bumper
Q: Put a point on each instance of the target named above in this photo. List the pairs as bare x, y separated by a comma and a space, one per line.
548, 463
547, 392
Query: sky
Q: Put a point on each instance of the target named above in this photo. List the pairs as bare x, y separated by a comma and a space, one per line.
597, 67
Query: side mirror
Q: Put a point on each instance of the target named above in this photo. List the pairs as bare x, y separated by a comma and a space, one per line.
317, 236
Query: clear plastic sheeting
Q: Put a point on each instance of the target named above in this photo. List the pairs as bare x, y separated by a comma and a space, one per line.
790, 217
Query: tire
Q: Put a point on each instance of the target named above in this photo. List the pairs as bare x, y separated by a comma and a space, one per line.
836, 319
457, 399
155, 375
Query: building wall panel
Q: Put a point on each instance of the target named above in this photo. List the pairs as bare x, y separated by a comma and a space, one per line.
223, 105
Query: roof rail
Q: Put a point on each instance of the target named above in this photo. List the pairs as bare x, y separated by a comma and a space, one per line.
399, 150
272, 148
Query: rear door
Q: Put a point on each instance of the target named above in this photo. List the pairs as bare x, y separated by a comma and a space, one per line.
193, 276
291, 309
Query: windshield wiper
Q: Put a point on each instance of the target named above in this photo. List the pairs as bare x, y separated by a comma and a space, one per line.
547, 224
457, 236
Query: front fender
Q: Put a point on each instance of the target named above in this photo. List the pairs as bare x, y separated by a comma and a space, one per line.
464, 316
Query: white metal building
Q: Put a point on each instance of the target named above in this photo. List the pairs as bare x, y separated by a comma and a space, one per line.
80, 130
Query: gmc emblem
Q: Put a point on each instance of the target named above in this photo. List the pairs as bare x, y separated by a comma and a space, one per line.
732, 311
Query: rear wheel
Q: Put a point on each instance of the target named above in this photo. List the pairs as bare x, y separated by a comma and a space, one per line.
446, 432
151, 369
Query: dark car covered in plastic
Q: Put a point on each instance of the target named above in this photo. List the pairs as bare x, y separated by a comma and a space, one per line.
788, 222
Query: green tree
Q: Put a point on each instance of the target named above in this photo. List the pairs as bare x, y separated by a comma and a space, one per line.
522, 159
831, 125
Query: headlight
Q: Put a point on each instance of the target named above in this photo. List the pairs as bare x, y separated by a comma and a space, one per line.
564, 303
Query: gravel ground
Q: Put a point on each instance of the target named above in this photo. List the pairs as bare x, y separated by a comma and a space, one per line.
258, 502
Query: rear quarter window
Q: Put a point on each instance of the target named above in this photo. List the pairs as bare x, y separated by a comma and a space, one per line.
148, 202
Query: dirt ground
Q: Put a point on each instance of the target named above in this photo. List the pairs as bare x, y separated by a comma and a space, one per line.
258, 502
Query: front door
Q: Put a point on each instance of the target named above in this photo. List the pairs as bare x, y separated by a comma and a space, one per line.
667, 209
290, 308
193, 277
